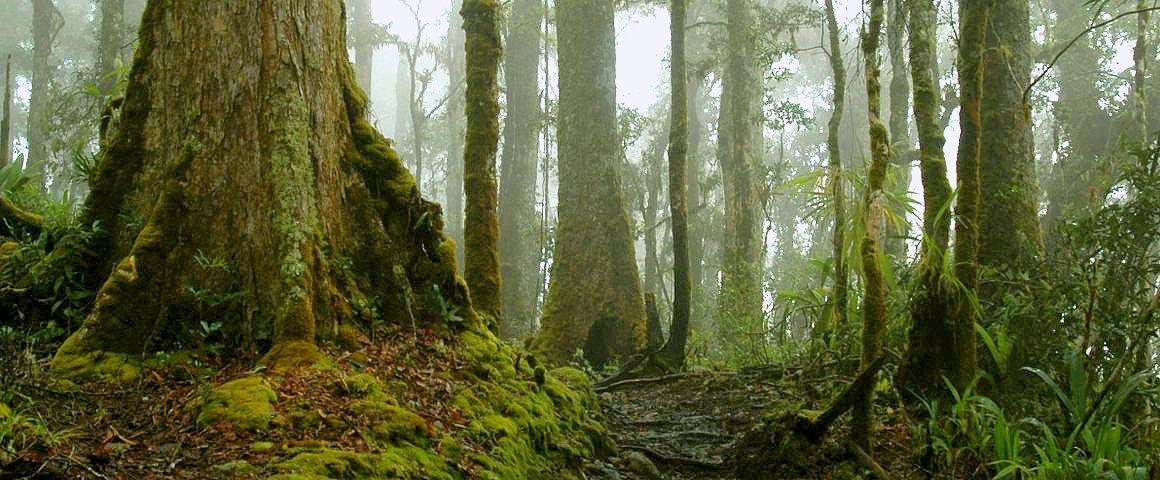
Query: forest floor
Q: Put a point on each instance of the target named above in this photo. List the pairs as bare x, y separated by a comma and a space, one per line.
695, 425
710, 424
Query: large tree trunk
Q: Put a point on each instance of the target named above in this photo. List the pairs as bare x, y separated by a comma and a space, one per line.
935, 337
1010, 239
517, 196
594, 301
740, 313
46, 23
874, 299
481, 226
674, 349
1009, 236
270, 188
456, 129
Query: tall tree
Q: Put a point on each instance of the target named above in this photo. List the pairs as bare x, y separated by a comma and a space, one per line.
894, 242
934, 348
674, 349
456, 127
364, 42
841, 296
46, 24
280, 184
594, 301
481, 226
517, 196
6, 122
112, 43
1010, 242
1009, 239
874, 298
740, 140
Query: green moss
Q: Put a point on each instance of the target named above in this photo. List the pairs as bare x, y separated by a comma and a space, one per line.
359, 385
236, 468
292, 354
5, 411
74, 362
247, 403
405, 462
397, 425
261, 446
349, 338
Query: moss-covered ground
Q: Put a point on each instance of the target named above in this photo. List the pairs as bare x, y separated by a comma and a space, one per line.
416, 405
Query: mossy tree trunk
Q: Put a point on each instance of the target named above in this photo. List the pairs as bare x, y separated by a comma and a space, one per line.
874, 298
1009, 236
456, 128
518, 225
933, 348
973, 16
594, 299
740, 312
1140, 72
674, 349
283, 201
894, 241
46, 23
481, 224
841, 295
6, 122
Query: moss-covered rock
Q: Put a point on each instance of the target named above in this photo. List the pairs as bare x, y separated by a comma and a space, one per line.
247, 403
76, 363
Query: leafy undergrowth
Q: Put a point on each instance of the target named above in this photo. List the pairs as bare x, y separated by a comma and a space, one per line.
411, 405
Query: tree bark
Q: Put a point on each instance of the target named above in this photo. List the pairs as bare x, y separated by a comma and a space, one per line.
364, 43
112, 43
740, 302
841, 272
481, 225
6, 122
517, 196
674, 349
1009, 215
894, 242
46, 23
935, 335
594, 299
456, 128
874, 298
306, 210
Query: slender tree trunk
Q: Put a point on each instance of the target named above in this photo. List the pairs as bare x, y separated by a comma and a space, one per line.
280, 184
1139, 83
674, 349
364, 42
46, 23
933, 349
594, 301
740, 300
112, 43
874, 298
517, 195
456, 128
894, 242
841, 300
649, 212
403, 102
973, 15
6, 122
481, 226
